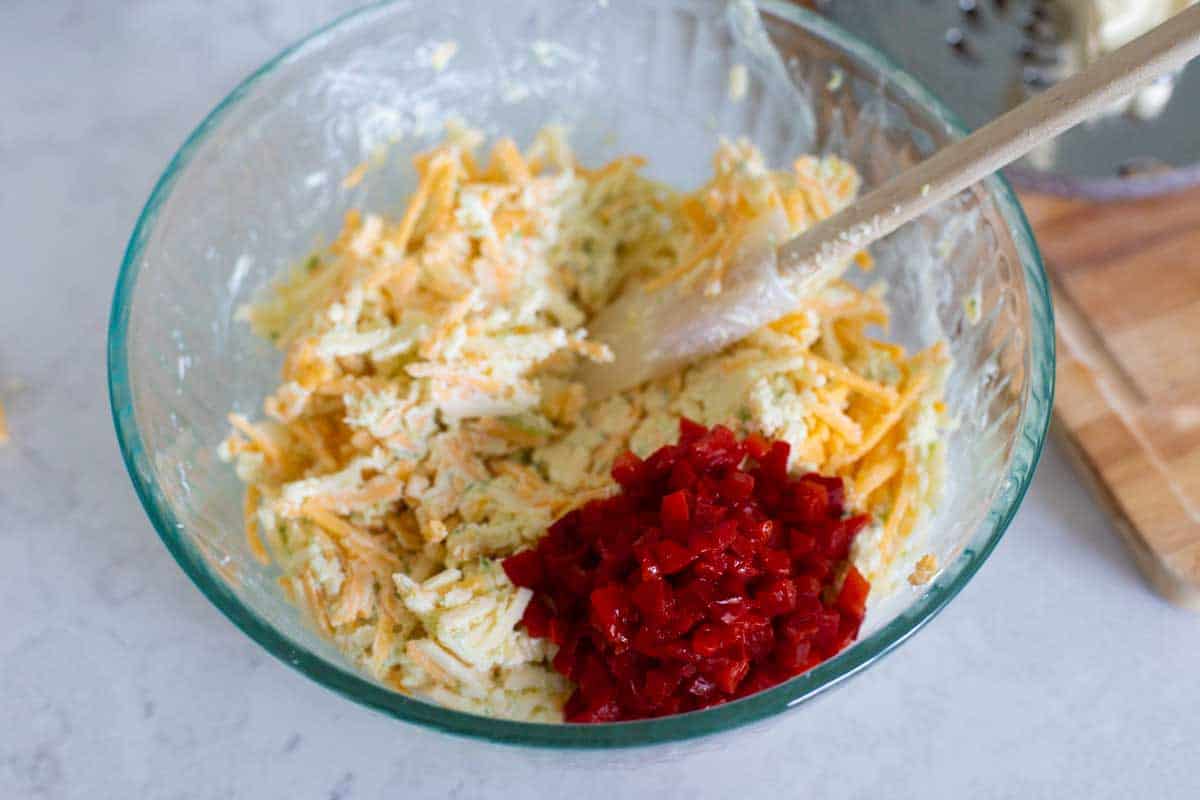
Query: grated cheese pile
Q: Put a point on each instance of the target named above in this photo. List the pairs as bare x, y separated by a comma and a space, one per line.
428, 425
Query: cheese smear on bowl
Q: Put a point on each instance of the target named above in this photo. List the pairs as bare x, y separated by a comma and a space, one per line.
428, 425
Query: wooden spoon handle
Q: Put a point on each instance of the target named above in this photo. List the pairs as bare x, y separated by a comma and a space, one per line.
1088, 93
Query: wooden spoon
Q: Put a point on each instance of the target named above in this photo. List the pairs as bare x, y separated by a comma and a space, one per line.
654, 332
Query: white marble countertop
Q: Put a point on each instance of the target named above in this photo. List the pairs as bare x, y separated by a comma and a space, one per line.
1055, 674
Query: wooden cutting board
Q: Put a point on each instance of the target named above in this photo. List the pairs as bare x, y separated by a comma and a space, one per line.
1126, 282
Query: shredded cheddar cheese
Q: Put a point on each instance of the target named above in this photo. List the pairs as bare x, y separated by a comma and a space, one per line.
924, 570
428, 424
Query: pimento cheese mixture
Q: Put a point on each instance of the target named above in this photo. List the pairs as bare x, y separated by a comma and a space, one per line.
427, 424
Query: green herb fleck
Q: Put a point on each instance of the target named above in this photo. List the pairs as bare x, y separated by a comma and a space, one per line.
313, 263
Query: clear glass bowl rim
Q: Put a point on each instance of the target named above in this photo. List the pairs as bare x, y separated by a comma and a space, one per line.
1030, 439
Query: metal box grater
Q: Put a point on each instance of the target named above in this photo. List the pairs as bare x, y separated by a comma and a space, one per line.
982, 56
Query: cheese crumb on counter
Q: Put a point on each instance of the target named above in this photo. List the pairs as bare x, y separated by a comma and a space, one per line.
739, 82
441, 53
428, 423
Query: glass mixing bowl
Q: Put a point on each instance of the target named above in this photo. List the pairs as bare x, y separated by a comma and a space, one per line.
259, 184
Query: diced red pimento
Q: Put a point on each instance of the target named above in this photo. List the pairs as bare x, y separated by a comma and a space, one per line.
852, 599
714, 574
